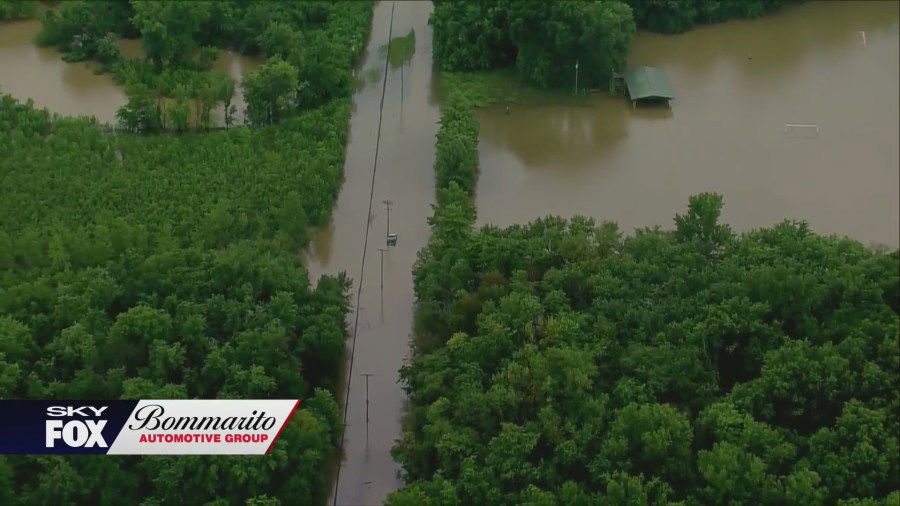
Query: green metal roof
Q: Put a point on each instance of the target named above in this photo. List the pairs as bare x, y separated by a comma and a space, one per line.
647, 82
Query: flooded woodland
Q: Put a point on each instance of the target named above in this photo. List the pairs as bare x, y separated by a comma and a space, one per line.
793, 115
76, 89
833, 66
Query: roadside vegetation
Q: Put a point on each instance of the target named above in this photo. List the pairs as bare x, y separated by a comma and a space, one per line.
564, 362
162, 265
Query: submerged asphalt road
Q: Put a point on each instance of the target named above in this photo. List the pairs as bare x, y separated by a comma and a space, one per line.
389, 156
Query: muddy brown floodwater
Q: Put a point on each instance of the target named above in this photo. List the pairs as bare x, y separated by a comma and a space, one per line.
73, 89
737, 84
28, 71
381, 327
829, 64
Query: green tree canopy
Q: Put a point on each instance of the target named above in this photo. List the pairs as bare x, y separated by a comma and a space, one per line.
560, 362
544, 39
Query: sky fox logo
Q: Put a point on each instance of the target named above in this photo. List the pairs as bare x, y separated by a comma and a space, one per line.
76, 433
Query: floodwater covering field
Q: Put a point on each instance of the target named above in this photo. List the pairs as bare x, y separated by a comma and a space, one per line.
74, 89
737, 84
41, 74
833, 65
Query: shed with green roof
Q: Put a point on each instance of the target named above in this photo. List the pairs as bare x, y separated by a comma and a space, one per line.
647, 83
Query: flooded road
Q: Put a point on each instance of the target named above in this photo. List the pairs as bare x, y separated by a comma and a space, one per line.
380, 328
73, 89
833, 65
737, 84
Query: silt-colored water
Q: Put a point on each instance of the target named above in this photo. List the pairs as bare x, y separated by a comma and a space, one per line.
833, 65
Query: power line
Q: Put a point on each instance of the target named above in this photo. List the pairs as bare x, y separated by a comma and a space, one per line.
362, 267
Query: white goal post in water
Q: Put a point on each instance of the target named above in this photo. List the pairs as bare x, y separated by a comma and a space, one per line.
801, 130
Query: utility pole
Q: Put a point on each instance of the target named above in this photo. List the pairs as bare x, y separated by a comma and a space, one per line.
382, 250
576, 77
367, 405
390, 238
387, 204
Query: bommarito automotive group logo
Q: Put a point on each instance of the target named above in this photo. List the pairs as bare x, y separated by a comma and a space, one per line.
145, 427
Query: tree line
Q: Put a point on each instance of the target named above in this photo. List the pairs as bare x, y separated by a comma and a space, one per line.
165, 266
544, 40
563, 362
681, 15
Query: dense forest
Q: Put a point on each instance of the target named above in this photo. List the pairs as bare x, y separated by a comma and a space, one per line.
544, 40
562, 362
165, 266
